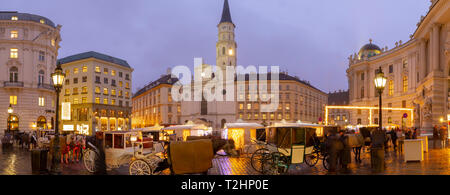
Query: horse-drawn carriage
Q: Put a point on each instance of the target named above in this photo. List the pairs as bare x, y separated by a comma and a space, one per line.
123, 148
287, 144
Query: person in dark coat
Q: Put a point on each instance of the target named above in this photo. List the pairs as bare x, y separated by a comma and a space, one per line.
334, 146
345, 153
394, 138
435, 135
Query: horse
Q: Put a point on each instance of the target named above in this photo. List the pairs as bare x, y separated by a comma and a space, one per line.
25, 140
218, 144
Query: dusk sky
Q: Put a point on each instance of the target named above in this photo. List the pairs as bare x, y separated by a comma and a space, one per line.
311, 39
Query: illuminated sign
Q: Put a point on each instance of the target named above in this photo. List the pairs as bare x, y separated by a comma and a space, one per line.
65, 111
68, 127
83, 129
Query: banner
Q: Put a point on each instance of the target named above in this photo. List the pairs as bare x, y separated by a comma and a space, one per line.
65, 111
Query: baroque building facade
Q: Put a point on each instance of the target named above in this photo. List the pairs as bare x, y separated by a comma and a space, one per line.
98, 88
299, 100
28, 52
417, 74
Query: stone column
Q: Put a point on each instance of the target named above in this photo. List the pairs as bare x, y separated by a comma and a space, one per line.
435, 54
423, 61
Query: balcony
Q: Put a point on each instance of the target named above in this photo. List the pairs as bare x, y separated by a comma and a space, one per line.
16, 84
46, 86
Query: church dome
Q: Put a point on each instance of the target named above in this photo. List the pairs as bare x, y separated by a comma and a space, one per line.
369, 50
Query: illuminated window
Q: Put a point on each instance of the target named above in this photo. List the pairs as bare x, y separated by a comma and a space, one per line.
113, 92
288, 106
256, 116
249, 106
405, 84
15, 18
75, 91
97, 90
42, 21
105, 71
120, 93
84, 89
53, 42
113, 102
105, 101
105, 91
14, 53
127, 85
264, 116
120, 84
75, 100
41, 56
14, 34
241, 116
67, 92
179, 109
97, 100
288, 117
13, 100
97, 69
391, 87
67, 73
84, 100
113, 73
75, 71
272, 116
127, 95
85, 69
41, 101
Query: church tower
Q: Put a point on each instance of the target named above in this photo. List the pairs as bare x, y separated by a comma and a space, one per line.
226, 45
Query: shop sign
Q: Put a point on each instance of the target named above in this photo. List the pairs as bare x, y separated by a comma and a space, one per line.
68, 127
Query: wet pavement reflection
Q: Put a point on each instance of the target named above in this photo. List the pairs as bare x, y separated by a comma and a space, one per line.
436, 162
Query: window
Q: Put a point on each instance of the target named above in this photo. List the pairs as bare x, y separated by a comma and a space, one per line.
391, 87
362, 92
127, 95
97, 100
75, 80
404, 104
53, 42
405, 84
120, 84
67, 73
390, 106
75, 100
41, 56
75, 91
14, 53
405, 64
113, 102
105, 101
127, 85
67, 92
97, 79
120, 74
15, 18
120, 93
13, 100
105, 91
389, 120
14, 34
391, 68
97, 90
288, 107
85, 69
105, 70
41, 77
75, 71
42, 21
105, 80
127, 77
84, 89
84, 100
113, 92
13, 74
84, 79
113, 82
362, 76
113, 73
97, 69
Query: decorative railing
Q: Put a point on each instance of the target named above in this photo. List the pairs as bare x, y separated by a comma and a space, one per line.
46, 86
12, 84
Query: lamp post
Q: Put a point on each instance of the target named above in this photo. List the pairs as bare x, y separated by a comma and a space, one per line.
380, 83
58, 80
10, 111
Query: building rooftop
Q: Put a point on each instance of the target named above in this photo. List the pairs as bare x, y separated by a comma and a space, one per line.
96, 55
340, 98
8, 15
165, 79
226, 15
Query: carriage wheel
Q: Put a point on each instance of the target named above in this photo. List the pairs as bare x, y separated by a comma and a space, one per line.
261, 160
280, 164
140, 167
312, 159
89, 160
326, 163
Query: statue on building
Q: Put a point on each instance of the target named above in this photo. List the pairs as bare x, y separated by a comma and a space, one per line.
427, 109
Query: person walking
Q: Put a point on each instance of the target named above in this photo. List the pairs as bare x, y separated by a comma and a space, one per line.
344, 154
394, 138
443, 135
333, 147
435, 135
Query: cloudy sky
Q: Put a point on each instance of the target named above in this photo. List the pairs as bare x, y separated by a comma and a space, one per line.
309, 38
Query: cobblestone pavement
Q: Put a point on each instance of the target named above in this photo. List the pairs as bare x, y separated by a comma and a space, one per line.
436, 162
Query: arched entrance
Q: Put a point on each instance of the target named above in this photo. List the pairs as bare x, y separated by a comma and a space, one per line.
41, 123
13, 122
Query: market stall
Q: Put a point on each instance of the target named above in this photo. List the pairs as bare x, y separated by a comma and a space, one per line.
181, 132
243, 133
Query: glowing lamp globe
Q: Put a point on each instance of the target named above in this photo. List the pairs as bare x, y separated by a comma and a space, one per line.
10, 109
58, 77
380, 80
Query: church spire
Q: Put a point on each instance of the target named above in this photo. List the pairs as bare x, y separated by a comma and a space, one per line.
226, 15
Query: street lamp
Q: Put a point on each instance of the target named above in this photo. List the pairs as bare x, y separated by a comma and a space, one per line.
380, 83
58, 80
10, 111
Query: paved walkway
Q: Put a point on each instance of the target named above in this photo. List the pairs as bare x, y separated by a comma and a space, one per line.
436, 162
